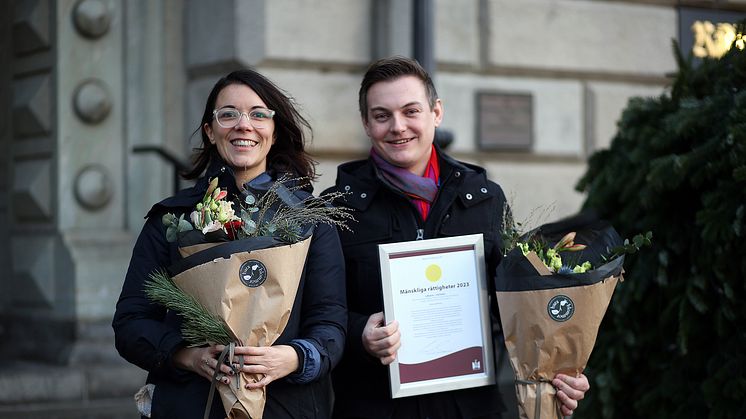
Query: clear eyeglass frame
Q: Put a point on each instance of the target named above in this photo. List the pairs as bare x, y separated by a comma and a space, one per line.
229, 117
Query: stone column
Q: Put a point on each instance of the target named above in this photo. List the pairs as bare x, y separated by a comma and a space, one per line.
221, 36
39, 307
155, 80
68, 242
6, 54
392, 28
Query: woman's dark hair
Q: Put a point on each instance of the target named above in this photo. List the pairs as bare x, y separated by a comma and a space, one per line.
288, 154
387, 69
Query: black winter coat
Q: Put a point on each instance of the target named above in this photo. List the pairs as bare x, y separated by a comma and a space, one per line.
467, 203
147, 335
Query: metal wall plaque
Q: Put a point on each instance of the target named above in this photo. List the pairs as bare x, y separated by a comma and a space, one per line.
504, 121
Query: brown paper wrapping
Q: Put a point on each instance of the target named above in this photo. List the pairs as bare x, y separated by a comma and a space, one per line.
540, 347
256, 316
537, 263
187, 251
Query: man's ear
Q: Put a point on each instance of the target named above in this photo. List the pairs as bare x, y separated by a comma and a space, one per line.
438, 111
366, 126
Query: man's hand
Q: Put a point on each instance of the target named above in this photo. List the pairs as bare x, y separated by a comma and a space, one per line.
570, 390
381, 341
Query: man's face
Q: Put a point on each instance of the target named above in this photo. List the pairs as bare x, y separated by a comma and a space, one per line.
400, 123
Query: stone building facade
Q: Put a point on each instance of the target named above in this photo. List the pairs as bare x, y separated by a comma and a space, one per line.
86, 82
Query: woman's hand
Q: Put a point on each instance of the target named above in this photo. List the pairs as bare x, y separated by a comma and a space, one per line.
570, 390
274, 362
202, 361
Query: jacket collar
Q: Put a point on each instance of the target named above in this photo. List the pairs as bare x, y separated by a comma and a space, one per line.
473, 186
360, 180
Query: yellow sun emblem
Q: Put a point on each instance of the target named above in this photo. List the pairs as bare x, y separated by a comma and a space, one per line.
433, 273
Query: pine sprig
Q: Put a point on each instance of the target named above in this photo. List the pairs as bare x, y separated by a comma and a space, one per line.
198, 327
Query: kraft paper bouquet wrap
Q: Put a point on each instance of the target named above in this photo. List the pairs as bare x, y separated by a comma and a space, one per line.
238, 277
251, 285
551, 307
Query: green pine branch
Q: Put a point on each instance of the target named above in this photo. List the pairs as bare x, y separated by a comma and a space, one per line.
199, 326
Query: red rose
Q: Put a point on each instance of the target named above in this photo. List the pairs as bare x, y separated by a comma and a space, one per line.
232, 227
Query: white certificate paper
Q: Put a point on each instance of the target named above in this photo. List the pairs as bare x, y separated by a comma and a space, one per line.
436, 290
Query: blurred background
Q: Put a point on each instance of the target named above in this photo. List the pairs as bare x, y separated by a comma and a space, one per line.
100, 100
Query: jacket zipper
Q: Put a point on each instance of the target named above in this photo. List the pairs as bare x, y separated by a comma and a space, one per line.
420, 231
418, 217
418, 221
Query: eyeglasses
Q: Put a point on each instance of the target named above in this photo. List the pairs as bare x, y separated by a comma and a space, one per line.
229, 117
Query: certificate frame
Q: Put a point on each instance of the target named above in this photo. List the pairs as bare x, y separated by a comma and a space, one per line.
431, 358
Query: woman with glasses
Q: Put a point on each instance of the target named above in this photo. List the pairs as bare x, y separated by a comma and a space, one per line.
252, 134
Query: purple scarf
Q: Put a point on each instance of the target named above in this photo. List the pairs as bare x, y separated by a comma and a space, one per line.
414, 186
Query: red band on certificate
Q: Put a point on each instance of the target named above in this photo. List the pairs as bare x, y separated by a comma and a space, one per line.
464, 362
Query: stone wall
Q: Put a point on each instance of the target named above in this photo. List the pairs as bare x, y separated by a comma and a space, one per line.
579, 61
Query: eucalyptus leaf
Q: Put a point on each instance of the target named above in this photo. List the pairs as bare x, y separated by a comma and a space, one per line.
185, 225
249, 226
171, 234
168, 219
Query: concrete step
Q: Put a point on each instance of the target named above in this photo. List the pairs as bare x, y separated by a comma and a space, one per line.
95, 391
119, 408
23, 382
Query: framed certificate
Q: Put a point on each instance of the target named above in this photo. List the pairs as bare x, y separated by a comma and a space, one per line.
437, 290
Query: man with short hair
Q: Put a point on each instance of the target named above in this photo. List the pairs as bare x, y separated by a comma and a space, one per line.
410, 190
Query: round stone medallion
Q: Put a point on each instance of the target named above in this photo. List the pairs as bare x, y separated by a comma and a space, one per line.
92, 18
93, 187
92, 101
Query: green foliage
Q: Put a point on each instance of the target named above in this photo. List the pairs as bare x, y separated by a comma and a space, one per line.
672, 344
279, 214
198, 327
175, 225
631, 247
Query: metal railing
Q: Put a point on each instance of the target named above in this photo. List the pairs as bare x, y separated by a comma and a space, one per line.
178, 165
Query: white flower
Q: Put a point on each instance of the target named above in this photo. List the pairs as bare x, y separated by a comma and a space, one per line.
196, 218
213, 226
225, 212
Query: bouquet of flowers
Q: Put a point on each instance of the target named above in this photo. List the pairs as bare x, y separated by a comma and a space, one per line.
553, 288
239, 273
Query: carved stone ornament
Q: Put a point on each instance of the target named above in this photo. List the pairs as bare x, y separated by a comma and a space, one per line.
92, 101
92, 18
93, 187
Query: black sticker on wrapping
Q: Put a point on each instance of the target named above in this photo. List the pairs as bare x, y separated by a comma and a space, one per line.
252, 273
560, 308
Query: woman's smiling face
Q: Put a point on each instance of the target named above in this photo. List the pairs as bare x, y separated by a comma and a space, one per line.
244, 147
